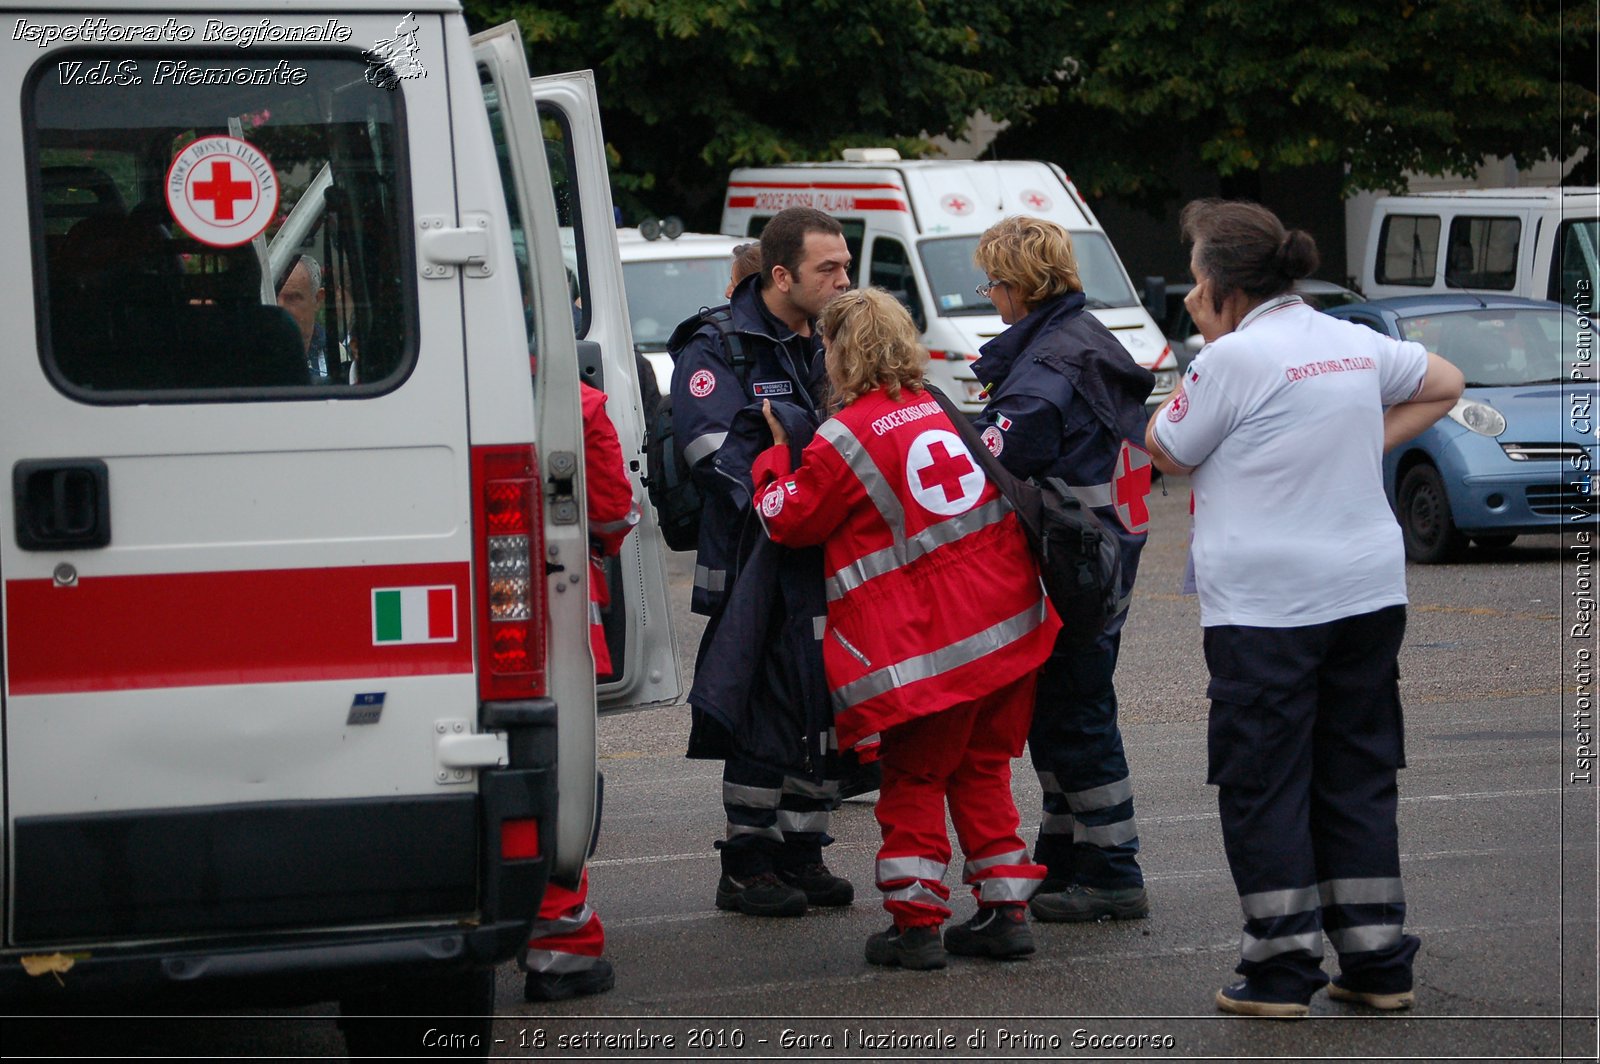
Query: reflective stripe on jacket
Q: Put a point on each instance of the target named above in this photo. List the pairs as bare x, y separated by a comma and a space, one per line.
933, 595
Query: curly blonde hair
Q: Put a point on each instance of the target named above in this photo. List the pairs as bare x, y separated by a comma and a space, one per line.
872, 343
1034, 257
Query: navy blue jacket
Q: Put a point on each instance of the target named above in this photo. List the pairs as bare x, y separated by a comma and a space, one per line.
706, 395
1066, 400
759, 685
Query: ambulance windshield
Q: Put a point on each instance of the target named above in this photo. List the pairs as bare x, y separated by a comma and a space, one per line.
219, 228
663, 292
953, 275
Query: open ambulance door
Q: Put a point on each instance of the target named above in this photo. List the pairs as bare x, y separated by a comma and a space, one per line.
638, 625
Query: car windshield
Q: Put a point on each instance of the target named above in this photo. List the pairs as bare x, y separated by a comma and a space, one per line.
1499, 346
663, 292
953, 275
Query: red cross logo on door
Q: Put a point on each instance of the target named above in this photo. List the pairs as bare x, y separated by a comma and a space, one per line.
223, 191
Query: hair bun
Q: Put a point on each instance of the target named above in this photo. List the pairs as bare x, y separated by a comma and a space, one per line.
1297, 255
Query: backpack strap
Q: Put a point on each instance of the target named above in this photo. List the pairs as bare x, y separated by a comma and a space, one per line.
732, 342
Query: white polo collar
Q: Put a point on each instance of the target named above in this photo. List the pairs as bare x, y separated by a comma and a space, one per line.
1274, 304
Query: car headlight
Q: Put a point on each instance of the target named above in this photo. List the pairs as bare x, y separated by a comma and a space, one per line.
1166, 380
1481, 418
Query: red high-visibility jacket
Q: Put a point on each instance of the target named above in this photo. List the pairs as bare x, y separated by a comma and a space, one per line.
612, 513
933, 594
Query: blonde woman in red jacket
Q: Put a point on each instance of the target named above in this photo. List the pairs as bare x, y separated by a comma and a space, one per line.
936, 629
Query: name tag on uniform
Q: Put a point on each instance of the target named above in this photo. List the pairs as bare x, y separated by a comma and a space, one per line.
764, 389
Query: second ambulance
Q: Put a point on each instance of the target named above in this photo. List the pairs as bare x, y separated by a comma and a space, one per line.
912, 227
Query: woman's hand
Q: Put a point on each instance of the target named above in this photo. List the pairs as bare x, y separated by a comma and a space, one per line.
780, 438
1209, 319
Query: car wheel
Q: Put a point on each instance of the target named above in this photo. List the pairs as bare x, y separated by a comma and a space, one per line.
1428, 529
449, 1016
1493, 542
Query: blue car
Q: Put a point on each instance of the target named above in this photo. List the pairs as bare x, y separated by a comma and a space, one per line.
1514, 456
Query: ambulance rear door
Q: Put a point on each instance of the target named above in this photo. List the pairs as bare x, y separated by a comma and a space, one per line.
638, 624
236, 548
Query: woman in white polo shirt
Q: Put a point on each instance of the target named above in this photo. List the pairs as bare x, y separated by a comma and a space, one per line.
1282, 420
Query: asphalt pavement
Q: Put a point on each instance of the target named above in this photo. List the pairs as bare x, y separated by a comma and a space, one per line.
1498, 856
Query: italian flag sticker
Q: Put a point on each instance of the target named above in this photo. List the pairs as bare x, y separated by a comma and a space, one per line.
402, 615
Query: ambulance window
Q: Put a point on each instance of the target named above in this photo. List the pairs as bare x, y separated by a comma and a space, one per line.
219, 233
890, 269
1576, 262
1482, 253
564, 183
1408, 250
511, 186
854, 233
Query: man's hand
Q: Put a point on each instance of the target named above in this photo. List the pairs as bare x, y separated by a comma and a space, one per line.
780, 438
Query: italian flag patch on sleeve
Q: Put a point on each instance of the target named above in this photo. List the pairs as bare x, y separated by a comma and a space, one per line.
402, 615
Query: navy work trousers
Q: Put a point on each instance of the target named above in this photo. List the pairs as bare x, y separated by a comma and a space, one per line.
1087, 834
1305, 739
774, 821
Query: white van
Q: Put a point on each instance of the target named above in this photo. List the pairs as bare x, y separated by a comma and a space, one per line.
669, 278
1533, 242
298, 698
912, 228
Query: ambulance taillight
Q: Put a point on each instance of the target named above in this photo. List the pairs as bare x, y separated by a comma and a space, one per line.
507, 545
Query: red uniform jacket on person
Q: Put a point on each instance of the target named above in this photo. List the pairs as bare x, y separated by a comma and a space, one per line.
933, 594
612, 513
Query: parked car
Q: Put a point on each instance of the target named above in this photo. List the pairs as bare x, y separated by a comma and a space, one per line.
667, 280
1186, 341
1514, 455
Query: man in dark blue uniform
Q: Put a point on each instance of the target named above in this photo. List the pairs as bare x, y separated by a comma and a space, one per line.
1065, 400
765, 349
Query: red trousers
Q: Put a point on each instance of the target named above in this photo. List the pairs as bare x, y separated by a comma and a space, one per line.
961, 755
567, 936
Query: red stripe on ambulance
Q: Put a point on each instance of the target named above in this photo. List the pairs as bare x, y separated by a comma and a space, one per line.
824, 195
118, 633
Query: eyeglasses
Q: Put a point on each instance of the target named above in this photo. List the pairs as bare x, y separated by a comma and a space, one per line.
986, 287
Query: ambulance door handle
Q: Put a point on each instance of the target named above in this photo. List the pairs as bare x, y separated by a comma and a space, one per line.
61, 504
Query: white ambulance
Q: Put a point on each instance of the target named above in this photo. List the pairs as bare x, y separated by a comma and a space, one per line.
912, 227
298, 696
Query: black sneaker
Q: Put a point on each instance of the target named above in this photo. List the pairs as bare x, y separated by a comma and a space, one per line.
1000, 931
917, 948
763, 894
1242, 999
1078, 904
821, 886
558, 986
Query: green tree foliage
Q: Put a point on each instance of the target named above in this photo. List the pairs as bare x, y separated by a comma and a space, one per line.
690, 88
1238, 87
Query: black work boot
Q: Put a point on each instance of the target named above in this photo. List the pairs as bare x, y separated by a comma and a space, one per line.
1000, 931
821, 886
558, 986
918, 948
1076, 903
762, 894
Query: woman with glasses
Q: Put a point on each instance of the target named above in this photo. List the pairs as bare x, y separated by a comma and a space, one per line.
1066, 400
